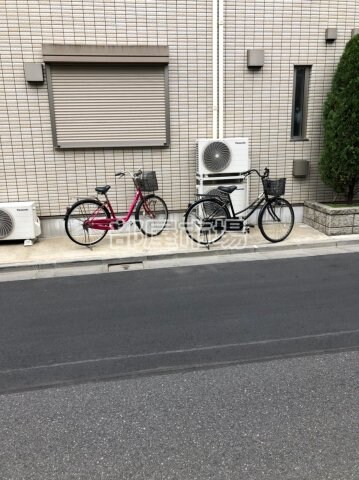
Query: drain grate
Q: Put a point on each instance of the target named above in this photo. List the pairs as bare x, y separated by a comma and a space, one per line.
125, 267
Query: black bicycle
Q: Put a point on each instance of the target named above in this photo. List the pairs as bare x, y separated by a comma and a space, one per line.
210, 217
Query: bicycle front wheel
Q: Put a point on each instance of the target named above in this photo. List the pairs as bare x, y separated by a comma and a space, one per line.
151, 215
78, 220
276, 220
205, 221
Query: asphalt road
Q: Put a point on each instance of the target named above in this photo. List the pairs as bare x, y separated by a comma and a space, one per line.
288, 419
76, 329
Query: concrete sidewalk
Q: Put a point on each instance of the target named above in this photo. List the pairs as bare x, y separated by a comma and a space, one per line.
50, 257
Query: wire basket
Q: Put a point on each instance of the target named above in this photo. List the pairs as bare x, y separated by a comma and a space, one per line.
274, 188
147, 182
215, 192
211, 209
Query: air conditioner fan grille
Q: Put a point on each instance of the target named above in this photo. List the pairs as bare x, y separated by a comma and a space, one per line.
216, 156
6, 224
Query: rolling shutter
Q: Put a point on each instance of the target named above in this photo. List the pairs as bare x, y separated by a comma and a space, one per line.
108, 104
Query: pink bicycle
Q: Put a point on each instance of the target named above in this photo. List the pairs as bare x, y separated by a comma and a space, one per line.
87, 221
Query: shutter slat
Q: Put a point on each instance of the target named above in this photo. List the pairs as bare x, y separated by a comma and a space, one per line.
115, 121
96, 104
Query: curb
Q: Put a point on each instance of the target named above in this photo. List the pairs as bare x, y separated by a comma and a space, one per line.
103, 265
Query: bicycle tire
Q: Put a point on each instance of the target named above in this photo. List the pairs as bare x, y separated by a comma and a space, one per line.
203, 221
276, 219
151, 215
76, 217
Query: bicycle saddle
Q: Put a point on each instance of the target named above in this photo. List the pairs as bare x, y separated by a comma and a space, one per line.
103, 190
230, 189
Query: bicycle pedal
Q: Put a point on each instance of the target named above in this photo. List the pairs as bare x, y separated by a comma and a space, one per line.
117, 225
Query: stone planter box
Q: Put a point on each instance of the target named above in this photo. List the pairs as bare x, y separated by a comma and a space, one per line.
330, 220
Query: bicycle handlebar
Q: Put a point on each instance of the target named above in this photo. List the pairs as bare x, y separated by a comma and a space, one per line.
133, 175
249, 172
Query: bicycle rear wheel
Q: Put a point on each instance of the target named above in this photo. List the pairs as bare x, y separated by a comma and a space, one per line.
151, 215
205, 221
77, 221
276, 220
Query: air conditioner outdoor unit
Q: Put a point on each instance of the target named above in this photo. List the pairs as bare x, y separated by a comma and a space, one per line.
238, 197
226, 156
19, 221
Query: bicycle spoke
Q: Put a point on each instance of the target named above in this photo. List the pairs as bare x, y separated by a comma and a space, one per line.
78, 221
276, 220
151, 215
200, 221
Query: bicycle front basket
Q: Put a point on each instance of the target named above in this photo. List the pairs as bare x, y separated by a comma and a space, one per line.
147, 181
274, 188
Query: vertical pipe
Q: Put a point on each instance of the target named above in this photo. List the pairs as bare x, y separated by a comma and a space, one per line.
220, 68
215, 66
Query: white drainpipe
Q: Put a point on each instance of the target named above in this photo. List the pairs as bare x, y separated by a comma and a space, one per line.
215, 66
218, 68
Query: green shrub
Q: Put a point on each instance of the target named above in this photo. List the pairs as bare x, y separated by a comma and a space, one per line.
339, 163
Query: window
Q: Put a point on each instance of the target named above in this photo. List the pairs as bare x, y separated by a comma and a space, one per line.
300, 102
108, 96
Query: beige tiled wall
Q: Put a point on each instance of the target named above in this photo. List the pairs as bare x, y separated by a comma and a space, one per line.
29, 166
257, 103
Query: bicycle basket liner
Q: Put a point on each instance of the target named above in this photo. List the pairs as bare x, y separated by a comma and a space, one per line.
147, 181
222, 196
213, 209
274, 188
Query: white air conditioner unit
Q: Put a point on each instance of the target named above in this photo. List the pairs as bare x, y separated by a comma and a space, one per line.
19, 221
226, 156
238, 197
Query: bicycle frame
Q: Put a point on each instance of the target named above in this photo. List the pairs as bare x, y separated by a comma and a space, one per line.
252, 207
263, 197
215, 214
114, 222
